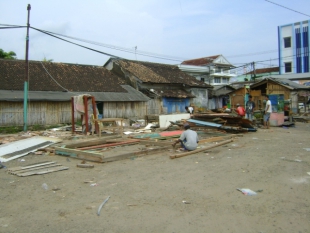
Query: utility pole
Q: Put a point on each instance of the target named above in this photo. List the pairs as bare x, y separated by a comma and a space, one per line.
26, 72
253, 73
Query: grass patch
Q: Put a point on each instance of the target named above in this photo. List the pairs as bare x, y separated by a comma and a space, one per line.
18, 129
11, 129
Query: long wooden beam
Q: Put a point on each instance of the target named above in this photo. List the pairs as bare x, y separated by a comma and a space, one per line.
78, 154
200, 150
111, 144
137, 153
91, 142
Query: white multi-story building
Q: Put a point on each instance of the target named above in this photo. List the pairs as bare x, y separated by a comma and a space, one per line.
214, 70
293, 42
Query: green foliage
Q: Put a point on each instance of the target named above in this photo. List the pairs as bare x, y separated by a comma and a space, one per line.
258, 115
18, 129
11, 129
37, 127
7, 55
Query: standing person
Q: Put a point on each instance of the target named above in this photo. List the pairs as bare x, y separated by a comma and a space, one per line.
240, 110
188, 139
267, 112
249, 108
189, 109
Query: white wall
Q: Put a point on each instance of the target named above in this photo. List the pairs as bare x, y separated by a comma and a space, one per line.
164, 120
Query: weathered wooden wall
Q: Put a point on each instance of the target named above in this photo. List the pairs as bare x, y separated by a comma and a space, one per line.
124, 109
237, 97
51, 113
154, 107
39, 113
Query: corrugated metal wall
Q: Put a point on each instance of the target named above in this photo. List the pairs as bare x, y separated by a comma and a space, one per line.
51, 113
174, 105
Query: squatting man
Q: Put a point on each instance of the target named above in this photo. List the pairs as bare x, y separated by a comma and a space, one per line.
188, 139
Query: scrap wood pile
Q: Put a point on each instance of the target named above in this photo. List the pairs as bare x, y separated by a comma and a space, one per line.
305, 117
224, 121
217, 121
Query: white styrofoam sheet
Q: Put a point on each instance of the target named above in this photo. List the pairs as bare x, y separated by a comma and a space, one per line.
164, 120
23, 145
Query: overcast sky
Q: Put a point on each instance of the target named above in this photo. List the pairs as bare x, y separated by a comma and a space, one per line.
241, 30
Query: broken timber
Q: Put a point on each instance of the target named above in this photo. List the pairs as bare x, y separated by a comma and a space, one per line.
200, 150
96, 157
37, 169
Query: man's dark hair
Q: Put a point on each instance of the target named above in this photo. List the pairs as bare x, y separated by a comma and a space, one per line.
267, 96
250, 96
186, 126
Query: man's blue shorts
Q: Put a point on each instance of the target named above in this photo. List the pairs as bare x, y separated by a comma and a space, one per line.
267, 116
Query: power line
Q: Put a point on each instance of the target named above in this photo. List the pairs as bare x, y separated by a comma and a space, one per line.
134, 51
12, 27
249, 54
74, 43
53, 78
287, 8
143, 53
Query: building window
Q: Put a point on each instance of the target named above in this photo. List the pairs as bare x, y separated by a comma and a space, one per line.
225, 80
288, 67
218, 70
287, 42
217, 80
202, 79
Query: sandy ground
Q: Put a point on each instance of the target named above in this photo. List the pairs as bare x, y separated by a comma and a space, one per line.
153, 193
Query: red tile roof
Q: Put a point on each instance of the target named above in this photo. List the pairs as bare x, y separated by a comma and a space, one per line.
200, 61
265, 70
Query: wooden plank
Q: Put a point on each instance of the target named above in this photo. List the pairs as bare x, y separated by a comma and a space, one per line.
35, 168
200, 150
61, 168
154, 143
91, 142
215, 139
78, 154
30, 166
111, 144
85, 165
138, 153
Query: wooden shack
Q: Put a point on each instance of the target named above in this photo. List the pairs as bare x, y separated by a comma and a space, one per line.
51, 86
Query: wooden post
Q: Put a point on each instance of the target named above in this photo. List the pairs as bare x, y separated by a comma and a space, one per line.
72, 115
95, 114
85, 98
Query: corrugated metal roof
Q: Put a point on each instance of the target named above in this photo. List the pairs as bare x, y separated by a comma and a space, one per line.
284, 82
131, 95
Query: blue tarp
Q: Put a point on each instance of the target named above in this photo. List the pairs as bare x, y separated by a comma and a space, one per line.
204, 123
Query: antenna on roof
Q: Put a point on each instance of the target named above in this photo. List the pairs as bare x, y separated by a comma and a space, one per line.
136, 51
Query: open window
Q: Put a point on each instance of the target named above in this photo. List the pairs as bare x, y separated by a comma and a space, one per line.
288, 67
287, 42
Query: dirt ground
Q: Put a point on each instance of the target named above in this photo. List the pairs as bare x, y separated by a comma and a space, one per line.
153, 193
